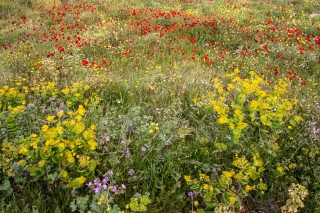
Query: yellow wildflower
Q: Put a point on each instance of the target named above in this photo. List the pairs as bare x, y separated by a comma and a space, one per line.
292, 165
42, 163
78, 128
60, 130
21, 162
248, 188
232, 200
205, 186
93, 145
23, 151
81, 179
60, 113
223, 120
66, 90
81, 110
93, 127
50, 118
64, 173
262, 186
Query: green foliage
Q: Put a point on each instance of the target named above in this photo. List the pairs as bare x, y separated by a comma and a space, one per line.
5, 187
139, 203
201, 106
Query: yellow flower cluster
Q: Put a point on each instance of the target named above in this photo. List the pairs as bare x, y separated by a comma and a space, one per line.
154, 127
245, 173
75, 93
48, 89
64, 145
248, 101
248, 169
11, 99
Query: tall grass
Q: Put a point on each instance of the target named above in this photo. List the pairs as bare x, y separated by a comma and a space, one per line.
159, 106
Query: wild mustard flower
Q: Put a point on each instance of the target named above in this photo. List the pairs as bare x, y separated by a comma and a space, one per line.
280, 170
223, 120
21, 162
262, 186
202, 176
205, 186
232, 199
187, 178
81, 179
50, 118
81, 110
248, 188
60, 113
23, 151
42, 163
240, 162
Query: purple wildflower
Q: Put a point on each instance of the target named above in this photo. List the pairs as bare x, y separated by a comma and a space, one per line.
105, 180
96, 181
114, 188
110, 172
96, 190
128, 155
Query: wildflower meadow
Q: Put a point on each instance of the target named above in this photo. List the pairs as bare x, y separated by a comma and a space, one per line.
186, 106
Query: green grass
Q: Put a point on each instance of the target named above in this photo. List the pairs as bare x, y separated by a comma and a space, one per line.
170, 102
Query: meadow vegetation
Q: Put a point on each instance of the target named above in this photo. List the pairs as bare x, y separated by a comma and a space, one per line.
159, 106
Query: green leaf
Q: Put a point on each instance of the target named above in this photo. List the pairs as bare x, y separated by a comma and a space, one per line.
73, 206
115, 209
293, 122
92, 165
237, 106
9, 191
6, 184
44, 156
241, 98
54, 159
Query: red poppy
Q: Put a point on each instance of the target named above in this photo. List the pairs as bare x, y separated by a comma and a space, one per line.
84, 62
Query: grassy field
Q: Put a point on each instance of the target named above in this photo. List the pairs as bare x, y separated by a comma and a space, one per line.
160, 106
